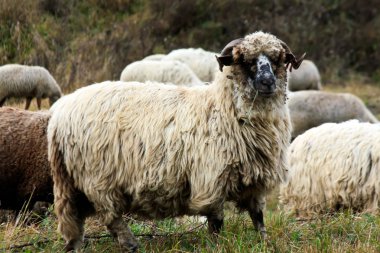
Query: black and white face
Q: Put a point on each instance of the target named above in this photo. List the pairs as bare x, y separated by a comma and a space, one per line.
258, 64
261, 76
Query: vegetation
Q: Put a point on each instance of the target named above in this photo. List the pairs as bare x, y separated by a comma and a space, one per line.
342, 232
82, 42
86, 41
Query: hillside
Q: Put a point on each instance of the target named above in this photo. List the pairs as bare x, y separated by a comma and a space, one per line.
82, 42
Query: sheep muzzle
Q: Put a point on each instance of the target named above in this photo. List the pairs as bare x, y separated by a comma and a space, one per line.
264, 80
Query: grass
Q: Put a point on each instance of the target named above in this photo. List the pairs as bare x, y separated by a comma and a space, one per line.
342, 232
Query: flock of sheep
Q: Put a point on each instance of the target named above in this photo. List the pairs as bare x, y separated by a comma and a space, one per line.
181, 134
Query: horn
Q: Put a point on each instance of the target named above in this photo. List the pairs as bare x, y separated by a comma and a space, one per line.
290, 59
225, 58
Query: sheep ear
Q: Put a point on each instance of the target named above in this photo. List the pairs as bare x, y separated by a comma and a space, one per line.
226, 58
290, 59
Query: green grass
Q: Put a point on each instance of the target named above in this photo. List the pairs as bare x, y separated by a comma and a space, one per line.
341, 232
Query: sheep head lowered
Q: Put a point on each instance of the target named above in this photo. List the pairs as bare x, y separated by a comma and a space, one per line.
258, 65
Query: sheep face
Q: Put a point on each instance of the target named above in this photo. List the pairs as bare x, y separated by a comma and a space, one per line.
260, 76
53, 99
258, 64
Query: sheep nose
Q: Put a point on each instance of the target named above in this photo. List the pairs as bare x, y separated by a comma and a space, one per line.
267, 81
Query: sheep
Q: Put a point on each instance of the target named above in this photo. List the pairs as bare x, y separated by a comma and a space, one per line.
200, 61
312, 108
24, 166
334, 166
154, 57
307, 77
174, 72
27, 81
162, 151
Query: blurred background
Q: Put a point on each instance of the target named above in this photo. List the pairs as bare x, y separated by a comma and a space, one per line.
81, 42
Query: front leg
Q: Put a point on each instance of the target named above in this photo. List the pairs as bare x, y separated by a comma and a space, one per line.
215, 222
27, 103
255, 209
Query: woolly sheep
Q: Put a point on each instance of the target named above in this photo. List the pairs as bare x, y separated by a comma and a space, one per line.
334, 166
201, 62
305, 78
24, 166
163, 150
174, 72
28, 82
154, 57
313, 108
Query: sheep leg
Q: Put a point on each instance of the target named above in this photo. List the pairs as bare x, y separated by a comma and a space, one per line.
27, 104
120, 230
255, 210
215, 223
39, 103
71, 228
2, 101
72, 210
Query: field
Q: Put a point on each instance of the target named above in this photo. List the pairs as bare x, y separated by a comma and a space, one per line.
86, 41
342, 232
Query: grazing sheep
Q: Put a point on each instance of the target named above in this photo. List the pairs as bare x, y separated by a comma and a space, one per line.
24, 166
334, 166
201, 62
163, 150
305, 78
313, 108
174, 72
154, 57
22, 81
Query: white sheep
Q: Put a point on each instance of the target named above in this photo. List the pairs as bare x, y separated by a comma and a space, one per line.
174, 72
332, 167
163, 150
306, 77
28, 82
201, 62
313, 108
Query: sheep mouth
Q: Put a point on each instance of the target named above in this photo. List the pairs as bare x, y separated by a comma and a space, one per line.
266, 93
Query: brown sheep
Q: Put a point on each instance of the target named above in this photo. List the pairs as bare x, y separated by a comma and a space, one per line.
24, 167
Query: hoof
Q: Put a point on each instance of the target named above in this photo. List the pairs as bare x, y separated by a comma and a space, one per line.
130, 247
72, 245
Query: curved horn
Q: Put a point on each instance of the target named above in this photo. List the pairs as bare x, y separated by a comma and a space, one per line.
225, 58
290, 59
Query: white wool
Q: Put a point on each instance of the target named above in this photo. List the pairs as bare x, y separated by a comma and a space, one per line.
23, 81
313, 108
334, 166
306, 77
174, 72
202, 62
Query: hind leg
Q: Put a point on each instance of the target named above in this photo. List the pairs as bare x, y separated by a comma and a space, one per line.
72, 212
70, 225
120, 231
